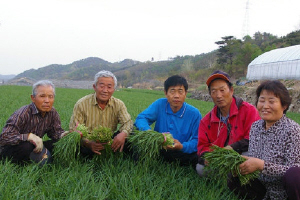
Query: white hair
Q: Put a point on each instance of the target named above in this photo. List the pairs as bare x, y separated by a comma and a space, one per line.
42, 83
105, 73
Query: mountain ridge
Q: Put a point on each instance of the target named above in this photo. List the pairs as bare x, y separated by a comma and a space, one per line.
232, 56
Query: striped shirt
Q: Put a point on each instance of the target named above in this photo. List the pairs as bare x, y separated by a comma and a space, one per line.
88, 112
29, 120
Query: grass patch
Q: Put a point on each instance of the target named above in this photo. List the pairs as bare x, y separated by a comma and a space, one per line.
109, 178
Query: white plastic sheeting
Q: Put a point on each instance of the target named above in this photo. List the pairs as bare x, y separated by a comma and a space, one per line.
283, 63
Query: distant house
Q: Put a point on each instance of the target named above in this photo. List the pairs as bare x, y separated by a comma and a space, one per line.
283, 63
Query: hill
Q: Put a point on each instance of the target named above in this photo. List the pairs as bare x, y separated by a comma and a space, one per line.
79, 70
128, 72
232, 56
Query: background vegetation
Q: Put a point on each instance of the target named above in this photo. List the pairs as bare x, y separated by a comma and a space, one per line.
114, 177
232, 56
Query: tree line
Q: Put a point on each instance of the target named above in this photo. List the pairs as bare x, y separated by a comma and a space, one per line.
233, 56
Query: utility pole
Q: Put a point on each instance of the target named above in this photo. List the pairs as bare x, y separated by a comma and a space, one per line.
245, 30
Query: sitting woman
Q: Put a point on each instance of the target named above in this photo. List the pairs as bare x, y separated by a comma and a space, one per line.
274, 148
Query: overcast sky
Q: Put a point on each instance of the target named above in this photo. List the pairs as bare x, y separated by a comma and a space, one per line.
37, 33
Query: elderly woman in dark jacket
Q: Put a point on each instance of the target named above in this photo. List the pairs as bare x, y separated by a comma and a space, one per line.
274, 148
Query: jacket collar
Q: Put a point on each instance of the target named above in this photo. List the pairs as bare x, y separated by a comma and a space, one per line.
232, 112
94, 101
179, 113
34, 109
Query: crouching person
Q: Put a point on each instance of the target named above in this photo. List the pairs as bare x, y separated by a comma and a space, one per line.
21, 138
274, 149
172, 114
102, 108
228, 124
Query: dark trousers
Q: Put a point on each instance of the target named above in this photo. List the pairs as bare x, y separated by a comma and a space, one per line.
291, 183
20, 153
184, 159
256, 190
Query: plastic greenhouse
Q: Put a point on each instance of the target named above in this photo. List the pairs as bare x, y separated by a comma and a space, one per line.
283, 63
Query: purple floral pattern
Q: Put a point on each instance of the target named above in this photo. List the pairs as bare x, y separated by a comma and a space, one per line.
279, 147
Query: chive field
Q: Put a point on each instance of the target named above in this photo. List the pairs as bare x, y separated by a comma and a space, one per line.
108, 178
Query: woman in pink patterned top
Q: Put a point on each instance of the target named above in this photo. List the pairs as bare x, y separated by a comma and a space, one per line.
274, 148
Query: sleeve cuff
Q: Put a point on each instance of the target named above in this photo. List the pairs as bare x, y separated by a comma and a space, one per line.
127, 133
24, 137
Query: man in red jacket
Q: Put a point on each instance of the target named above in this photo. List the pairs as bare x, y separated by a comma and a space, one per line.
228, 123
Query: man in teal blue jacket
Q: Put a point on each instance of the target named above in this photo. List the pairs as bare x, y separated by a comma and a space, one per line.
172, 114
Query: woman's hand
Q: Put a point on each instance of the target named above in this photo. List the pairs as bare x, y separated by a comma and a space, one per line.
251, 164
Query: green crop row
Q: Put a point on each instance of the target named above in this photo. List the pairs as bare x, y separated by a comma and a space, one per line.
109, 178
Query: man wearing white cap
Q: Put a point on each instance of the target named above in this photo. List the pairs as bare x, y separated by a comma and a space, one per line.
228, 123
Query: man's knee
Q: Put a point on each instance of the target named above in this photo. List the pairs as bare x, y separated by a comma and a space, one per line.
23, 148
26, 147
200, 170
18, 153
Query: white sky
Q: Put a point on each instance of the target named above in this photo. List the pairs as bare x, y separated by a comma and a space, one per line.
37, 33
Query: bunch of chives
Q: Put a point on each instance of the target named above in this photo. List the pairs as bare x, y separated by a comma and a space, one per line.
222, 161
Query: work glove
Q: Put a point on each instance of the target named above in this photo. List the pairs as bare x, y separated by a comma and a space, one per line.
37, 141
64, 134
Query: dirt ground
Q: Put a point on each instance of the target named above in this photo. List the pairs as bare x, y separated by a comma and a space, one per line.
247, 93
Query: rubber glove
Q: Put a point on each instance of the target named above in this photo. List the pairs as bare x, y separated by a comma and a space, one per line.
64, 134
37, 141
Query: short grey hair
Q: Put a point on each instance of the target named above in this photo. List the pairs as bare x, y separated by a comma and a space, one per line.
42, 83
105, 73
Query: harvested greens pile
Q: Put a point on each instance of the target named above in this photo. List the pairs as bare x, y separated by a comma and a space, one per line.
67, 149
102, 135
223, 161
149, 143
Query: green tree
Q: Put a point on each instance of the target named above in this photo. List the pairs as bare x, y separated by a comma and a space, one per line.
228, 49
247, 53
264, 39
